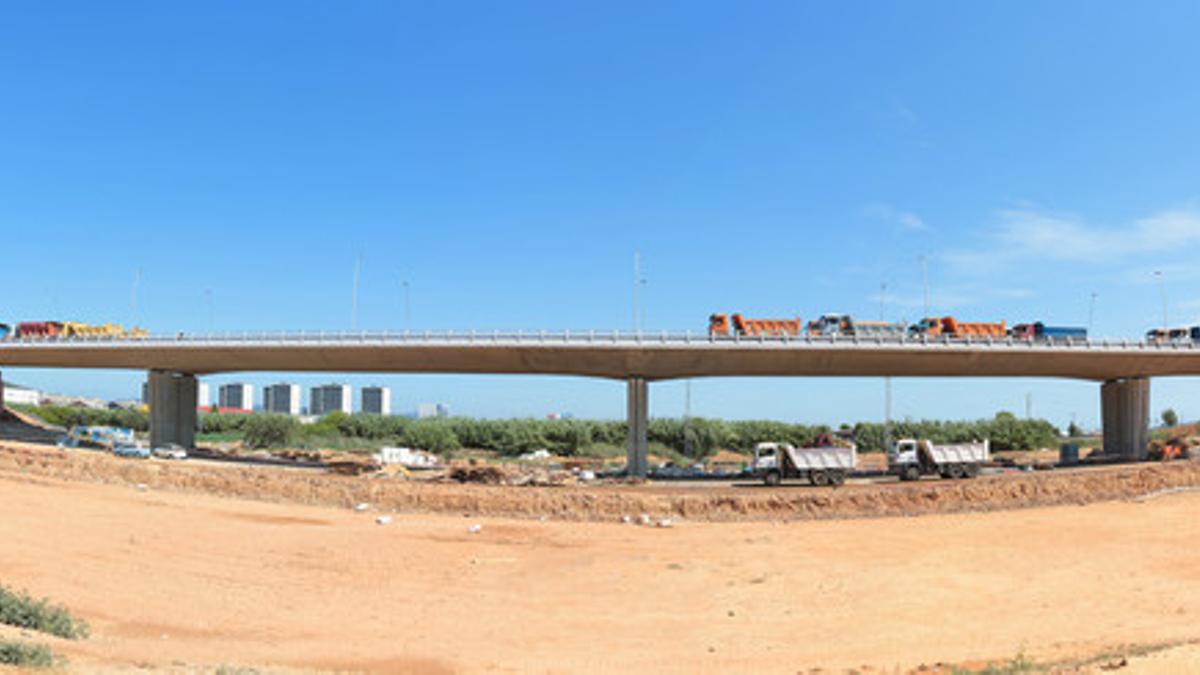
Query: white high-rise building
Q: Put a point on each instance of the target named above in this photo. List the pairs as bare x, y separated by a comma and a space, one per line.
329, 398
433, 410
237, 396
376, 400
282, 398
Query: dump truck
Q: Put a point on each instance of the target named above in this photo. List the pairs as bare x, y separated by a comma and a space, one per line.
719, 325
1161, 335
823, 464
951, 327
38, 329
1040, 331
78, 329
910, 459
844, 324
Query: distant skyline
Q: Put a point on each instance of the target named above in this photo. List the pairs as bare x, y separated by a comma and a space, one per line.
224, 166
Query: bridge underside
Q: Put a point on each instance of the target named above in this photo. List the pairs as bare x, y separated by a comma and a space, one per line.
1124, 403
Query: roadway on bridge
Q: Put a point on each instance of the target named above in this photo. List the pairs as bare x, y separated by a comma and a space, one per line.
613, 355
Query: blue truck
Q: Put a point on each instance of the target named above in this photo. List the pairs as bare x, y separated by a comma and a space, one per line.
1040, 331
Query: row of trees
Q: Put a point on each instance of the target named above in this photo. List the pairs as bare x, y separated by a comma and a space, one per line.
693, 438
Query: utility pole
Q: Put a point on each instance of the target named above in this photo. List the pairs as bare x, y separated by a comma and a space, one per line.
1091, 312
1162, 289
687, 417
638, 283
354, 295
887, 414
925, 282
887, 380
407, 305
208, 300
137, 280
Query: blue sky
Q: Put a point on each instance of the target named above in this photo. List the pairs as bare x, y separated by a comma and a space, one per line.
507, 159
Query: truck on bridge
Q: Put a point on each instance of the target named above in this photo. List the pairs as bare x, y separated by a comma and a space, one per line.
719, 325
822, 464
1163, 336
910, 459
951, 327
844, 324
1040, 331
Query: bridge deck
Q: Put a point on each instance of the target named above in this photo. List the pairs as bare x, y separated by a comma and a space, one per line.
611, 354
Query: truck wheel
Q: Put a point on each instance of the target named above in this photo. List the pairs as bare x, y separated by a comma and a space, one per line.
954, 471
911, 473
818, 478
772, 478
971, 471
837, 477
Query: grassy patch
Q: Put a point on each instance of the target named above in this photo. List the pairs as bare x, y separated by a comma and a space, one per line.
14, 653
25, 611
1019, 665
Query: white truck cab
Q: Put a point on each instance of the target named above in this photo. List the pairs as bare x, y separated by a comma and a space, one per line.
910, 458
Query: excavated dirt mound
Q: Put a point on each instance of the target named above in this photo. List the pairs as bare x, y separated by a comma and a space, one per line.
609, 502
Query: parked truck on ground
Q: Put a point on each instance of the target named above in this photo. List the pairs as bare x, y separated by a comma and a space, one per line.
844, 324
822, 464
724, 325
910, 459
951, 327
1039, 331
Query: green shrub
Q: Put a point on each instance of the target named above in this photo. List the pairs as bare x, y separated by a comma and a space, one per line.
268, 430
432, 435
24, 611
13, 653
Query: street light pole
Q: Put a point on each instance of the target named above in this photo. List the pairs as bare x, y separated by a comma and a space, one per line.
1091, 312
925, 283
1162, 288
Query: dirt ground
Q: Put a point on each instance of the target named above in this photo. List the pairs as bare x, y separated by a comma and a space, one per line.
177, 581
695, 501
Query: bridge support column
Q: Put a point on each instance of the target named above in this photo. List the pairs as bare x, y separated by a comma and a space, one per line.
172, 409
1125, 415
638, 416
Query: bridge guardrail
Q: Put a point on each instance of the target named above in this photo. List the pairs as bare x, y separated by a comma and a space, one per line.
587, 337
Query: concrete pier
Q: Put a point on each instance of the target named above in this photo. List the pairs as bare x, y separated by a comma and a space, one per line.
172, 409
1125, 413
638, 416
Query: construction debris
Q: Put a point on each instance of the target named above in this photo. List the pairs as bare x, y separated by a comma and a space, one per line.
406, 457
361, 506
492, 474
383, 520
475, 529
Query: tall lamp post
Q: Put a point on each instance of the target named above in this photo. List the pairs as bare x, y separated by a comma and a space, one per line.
1162, 289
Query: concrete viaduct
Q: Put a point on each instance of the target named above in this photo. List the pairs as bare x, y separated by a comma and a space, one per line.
1122, 368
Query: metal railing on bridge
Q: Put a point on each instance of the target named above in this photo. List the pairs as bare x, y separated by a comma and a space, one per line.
585, 337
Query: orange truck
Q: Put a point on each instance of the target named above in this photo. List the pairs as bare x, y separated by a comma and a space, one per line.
723, 324
951, 327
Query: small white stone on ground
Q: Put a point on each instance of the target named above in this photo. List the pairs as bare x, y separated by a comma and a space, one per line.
383, 520
475, 529
361, 506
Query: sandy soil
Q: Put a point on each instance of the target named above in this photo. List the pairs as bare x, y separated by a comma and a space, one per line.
174, 580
